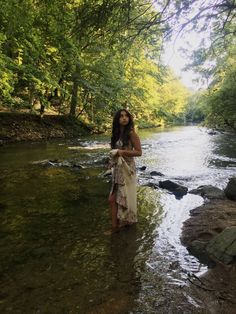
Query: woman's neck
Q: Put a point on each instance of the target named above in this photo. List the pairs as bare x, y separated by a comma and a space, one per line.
121, 130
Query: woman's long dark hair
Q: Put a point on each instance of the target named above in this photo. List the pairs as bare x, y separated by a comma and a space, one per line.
125, 137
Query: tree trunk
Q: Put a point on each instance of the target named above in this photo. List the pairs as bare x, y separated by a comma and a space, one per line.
42, 109
74, 98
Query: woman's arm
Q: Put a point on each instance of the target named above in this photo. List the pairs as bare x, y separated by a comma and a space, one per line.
137, 151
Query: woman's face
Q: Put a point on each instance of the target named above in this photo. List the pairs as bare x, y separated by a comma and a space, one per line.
124, 118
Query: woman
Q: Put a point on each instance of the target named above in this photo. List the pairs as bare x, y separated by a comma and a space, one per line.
125, 145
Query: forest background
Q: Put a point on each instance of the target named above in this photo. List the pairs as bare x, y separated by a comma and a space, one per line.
83, 60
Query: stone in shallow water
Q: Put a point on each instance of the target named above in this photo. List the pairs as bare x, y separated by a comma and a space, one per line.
156, 173
177, 189
208, 191
230, 189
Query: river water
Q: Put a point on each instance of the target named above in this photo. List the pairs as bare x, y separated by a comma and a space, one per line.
56, 256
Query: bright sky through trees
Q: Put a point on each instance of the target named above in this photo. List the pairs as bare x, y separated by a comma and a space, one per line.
177, 60
188, 39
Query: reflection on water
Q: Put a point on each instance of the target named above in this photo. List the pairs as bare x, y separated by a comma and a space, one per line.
191, 154
56, 256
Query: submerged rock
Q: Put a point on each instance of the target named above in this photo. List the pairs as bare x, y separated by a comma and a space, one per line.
57, 163
106, 173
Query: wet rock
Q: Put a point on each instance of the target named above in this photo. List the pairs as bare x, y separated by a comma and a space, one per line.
78, 166
143, 168
107, 173
152, 185
156, 173
230, 190
57, 163
177, 189
212, 132
100, 161
209, 191
70, 164
221, 282
46, 162
104, 160
198, 248
41, 162
174, 265
64, 163
204, 224
222, 247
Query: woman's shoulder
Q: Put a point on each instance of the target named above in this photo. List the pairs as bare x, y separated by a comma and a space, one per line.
134, 138
133, 133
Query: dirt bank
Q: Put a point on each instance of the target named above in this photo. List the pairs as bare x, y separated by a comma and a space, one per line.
16, 127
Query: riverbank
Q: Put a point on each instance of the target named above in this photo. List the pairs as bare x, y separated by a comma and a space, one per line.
25, 126
19, 127
209, 235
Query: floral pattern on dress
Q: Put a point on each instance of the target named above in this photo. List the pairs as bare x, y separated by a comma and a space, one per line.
124, 215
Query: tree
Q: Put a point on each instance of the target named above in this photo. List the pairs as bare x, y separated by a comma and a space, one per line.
87, 57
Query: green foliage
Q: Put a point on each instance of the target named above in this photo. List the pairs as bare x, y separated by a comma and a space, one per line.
88, 58
195, 110
217, 104
222, 93
214, 60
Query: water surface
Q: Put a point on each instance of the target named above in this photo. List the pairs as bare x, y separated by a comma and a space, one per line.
56, 256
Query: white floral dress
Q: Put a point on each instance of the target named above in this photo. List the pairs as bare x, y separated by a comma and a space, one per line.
126, 214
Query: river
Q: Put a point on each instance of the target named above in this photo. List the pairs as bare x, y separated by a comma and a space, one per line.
56, 256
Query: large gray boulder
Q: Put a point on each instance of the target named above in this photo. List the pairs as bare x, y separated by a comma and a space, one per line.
205, 223
209, 191
222, 248
230, 190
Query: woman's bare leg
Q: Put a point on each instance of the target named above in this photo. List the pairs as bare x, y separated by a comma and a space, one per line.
114, 209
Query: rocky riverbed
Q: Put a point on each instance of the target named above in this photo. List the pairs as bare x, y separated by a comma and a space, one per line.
210, 235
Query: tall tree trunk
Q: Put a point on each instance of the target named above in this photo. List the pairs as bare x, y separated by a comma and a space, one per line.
74, 98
